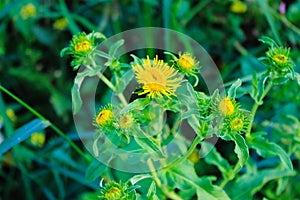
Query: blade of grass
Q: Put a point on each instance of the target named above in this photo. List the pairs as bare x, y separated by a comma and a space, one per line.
52, 126
267, 12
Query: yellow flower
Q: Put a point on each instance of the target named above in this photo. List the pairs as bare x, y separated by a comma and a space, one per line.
38, 139
60, 24
236, 124
104, 117
113, 193
186, 62
226, 107
82, 46
28, 11
194, 157
158, 78
11, 114
238, 7
126, 121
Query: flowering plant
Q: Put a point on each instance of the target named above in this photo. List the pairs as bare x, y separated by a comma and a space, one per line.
163, 88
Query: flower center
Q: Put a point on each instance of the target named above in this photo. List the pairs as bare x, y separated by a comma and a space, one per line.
154, 87
280, 58
226, 107
104, 117
156, 77
236, 124
113, 193
83, 46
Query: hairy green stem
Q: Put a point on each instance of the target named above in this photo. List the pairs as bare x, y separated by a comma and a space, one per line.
235, 170
110, 85
255, 107
186, 154
164, 189
52, 126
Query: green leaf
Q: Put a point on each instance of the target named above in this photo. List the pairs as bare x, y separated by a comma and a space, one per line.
113, 49
184, 177
297, 75
241, 148
188, 99
75, 91
233, 88
151, 194
269, 149
23, 133
147, 144
261, 87
248, 184
254, 91
123, 81
133, 180
268, 41
138, 104
94, 170
213, 157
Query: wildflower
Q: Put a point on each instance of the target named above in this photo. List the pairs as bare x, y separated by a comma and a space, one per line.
157, 77
226, 107
126, 121
11, 114
81, 47
187, 63
194, 157
116, 191
236, 124
282, 8
105, 117
38, 139
60, 24
279, 59
28, 11
238, 7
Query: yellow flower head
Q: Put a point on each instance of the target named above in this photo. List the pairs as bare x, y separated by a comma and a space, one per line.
83, 46
38, 139
104, 117
126, 121
60, 24
236, 124
226, 107
113, 193
238, 7
11, 114
194, 157
157, 77
28, 11
186, 62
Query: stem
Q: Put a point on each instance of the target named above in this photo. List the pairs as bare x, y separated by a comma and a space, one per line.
186, 154
164, 189
110, 85
253, 112
52, 126
256, 105
232, 175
